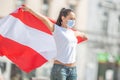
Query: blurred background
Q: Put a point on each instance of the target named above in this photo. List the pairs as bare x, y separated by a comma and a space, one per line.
97, 59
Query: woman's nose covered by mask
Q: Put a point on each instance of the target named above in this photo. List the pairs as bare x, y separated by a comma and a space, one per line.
71, 23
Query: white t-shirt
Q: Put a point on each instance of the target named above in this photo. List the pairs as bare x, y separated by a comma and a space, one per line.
66, 44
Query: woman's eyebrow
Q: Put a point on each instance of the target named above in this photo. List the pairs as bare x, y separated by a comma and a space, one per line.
72, 18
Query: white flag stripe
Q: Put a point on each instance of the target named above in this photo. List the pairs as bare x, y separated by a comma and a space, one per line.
12, 29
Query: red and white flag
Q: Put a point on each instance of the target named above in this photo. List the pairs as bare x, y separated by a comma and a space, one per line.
26, 40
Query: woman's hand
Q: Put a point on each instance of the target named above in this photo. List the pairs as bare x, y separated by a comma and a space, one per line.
47, 22
25, 8
81, 34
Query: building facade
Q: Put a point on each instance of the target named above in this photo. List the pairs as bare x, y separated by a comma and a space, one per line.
104, 35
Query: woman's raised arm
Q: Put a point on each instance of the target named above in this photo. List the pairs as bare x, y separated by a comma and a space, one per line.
48, 23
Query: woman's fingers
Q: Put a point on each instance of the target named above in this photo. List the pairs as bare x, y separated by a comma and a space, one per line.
25, 8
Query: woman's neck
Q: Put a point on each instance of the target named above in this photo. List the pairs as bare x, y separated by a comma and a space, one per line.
64, 26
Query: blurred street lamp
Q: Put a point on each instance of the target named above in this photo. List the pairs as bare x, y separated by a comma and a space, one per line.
73, 2
20, 2
2, 66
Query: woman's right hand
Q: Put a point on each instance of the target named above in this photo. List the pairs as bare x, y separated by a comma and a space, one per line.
47, 22
25, 8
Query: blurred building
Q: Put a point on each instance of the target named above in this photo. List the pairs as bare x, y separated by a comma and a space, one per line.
104, 35
98, 58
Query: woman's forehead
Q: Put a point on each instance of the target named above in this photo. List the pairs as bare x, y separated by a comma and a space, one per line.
71, 15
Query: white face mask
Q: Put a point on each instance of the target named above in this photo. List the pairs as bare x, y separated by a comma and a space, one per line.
71, 23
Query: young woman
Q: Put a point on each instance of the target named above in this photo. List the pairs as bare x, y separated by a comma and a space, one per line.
64, 67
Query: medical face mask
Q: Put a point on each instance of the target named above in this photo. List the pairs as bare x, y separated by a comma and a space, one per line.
71, 23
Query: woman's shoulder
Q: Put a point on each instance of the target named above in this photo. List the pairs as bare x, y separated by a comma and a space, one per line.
57, 26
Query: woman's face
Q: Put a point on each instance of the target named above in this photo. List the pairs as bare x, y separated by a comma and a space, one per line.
70, 16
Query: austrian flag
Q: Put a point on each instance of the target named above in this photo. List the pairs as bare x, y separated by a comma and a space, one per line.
26, 40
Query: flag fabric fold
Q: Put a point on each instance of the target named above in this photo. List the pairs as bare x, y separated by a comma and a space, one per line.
80, 39
26, 40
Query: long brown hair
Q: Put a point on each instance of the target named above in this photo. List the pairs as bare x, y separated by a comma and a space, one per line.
64, 12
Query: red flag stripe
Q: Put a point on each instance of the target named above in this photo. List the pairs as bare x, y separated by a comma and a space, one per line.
31, 20
20, 54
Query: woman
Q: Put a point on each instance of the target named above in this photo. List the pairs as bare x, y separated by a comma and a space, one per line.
64, 67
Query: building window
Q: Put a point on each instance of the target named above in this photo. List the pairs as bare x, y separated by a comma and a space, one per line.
105, 22
45, 7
